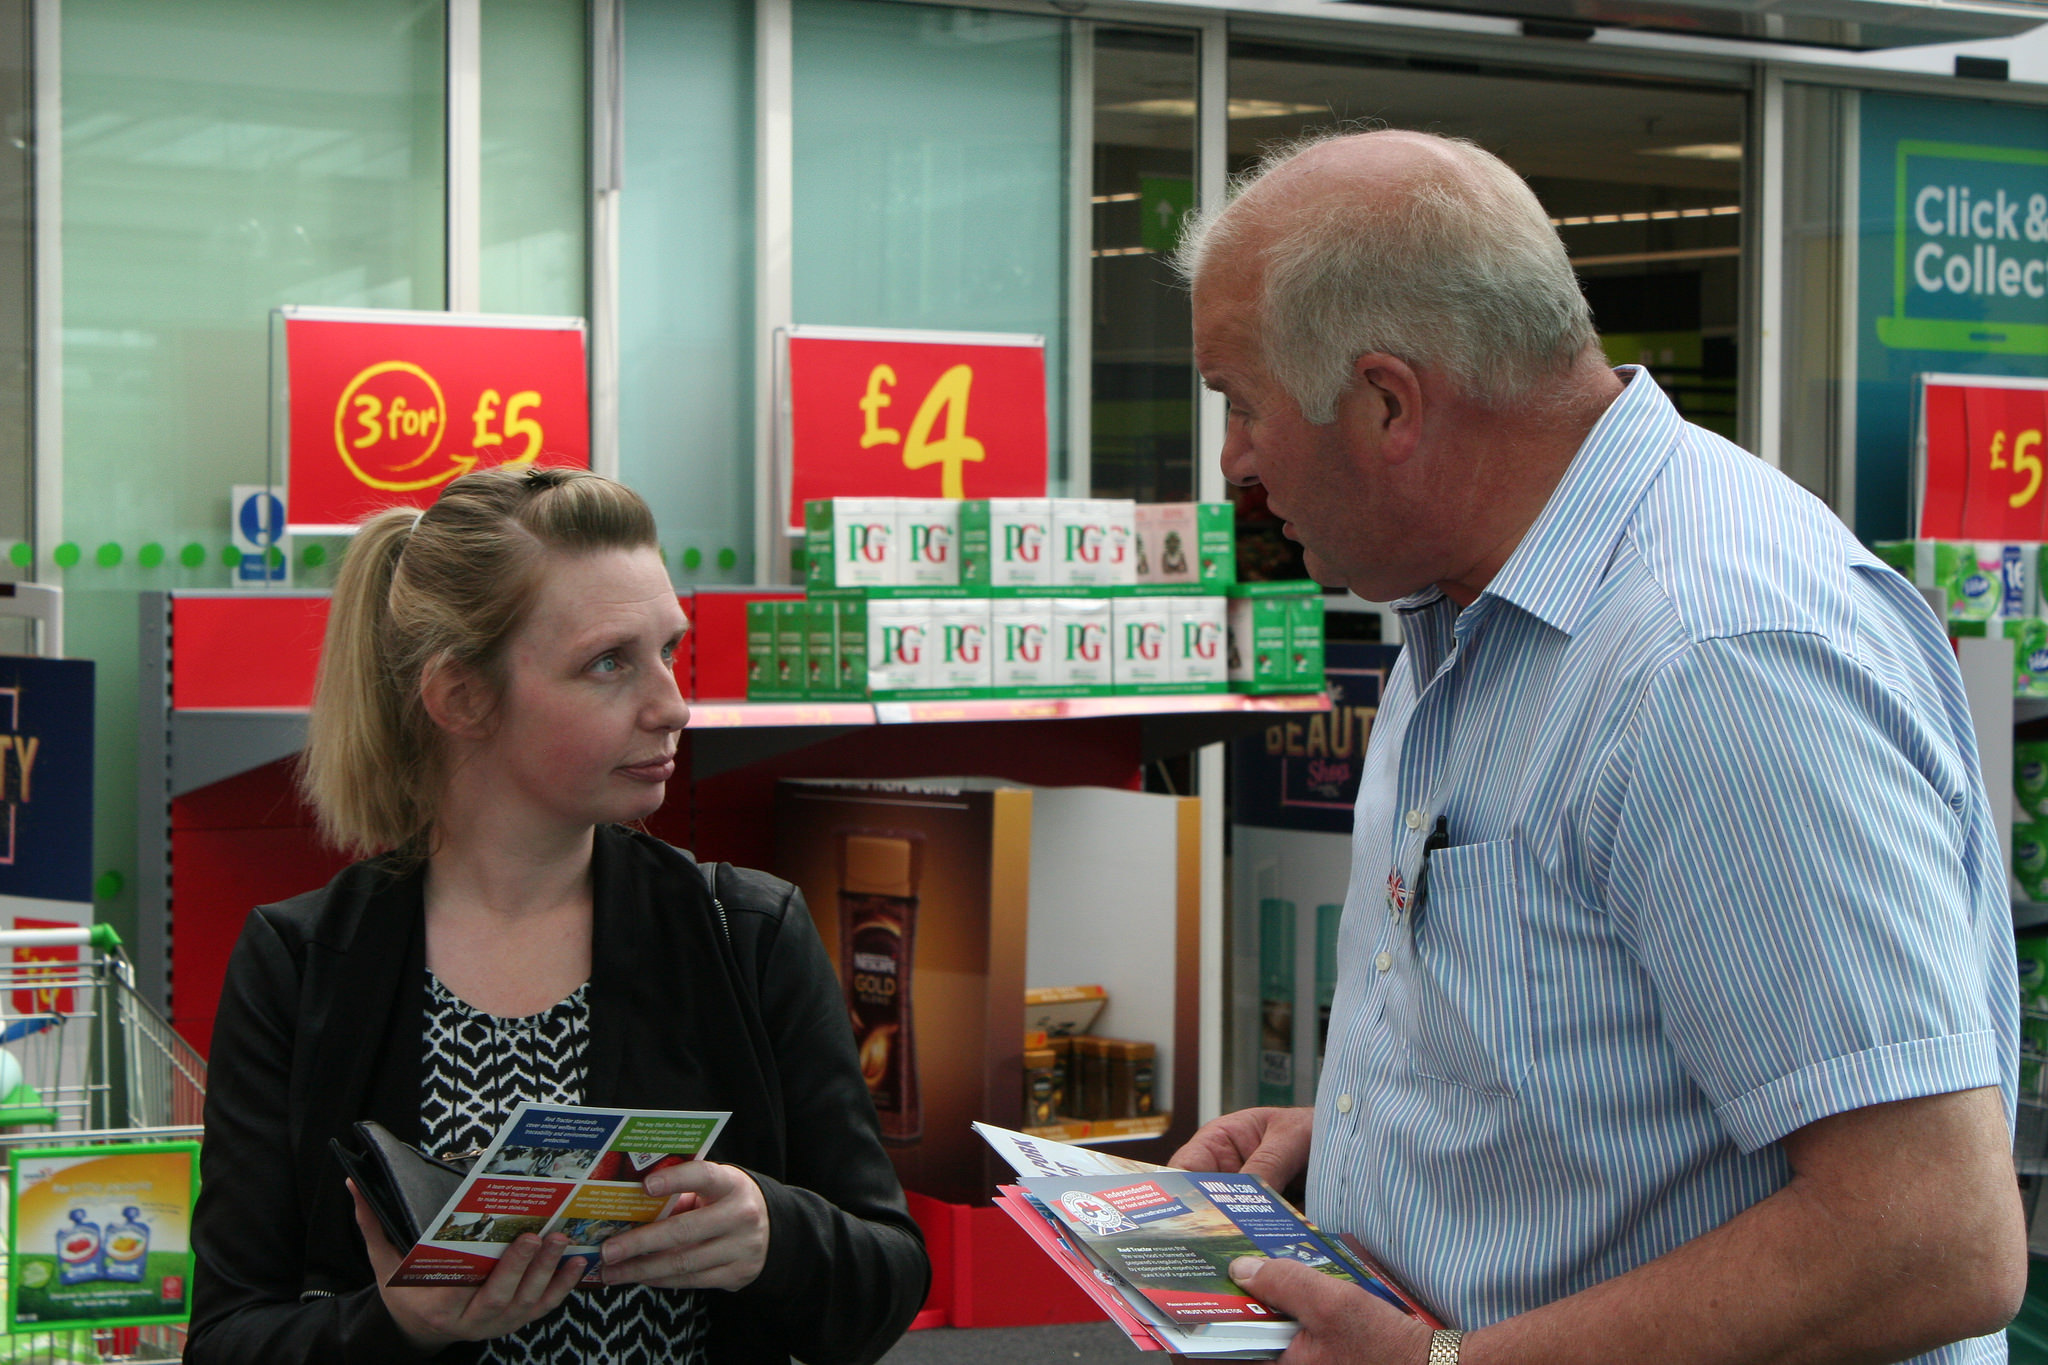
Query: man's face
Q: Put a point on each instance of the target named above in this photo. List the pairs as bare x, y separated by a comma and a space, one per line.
1320, 480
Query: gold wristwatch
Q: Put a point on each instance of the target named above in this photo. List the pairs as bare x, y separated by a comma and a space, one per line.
1443, 1346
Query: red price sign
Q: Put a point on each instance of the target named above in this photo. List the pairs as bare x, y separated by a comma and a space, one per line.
386, 408
914, 415
1982, 458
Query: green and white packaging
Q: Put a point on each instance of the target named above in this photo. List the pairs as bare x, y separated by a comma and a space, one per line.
1006, 546
850, 543
1082, 661
821, 648
1185, 547
2029, 636
1258, 644
775, 651
2030, 777
761, 652
1900, 554
898, 651
928, 543
1970, 576
851, 650
2032, 952
1200, 657
1022, 646
1141, 632
961, 663
792, 620
1305, 643
1093, 544
2030, 859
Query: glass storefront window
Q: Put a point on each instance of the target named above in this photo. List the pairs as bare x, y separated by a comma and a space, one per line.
17, 316
535, 157
1644, 181
1950, 219
931, 174
218, 161
686, 272
1142, 415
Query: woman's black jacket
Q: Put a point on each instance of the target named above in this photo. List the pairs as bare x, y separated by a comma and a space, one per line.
320, 1025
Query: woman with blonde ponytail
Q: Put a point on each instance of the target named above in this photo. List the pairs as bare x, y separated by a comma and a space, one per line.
496, 706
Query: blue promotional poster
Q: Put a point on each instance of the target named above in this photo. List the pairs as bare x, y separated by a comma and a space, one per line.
1952, 267
46, 713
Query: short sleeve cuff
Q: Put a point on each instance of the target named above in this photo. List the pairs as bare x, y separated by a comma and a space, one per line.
1879, 1075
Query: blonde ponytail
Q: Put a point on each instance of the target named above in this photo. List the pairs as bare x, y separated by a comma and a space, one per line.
447, 586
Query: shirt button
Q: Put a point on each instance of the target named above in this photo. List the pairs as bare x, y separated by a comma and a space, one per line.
1415, 819
1383, 961
1343, 1104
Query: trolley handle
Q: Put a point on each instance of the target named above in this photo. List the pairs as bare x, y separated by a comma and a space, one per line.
100, 937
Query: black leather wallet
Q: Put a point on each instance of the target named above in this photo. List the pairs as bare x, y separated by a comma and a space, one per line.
403, 1186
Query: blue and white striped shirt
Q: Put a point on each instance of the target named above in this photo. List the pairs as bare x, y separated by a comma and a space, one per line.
1721, 865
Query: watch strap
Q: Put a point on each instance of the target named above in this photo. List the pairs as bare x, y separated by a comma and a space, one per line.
1443, 1346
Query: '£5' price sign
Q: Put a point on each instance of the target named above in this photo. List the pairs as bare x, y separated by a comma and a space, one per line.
390, 411
390, 425
2025, 464
1982, 463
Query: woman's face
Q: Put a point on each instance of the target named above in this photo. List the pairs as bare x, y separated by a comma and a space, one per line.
585, 732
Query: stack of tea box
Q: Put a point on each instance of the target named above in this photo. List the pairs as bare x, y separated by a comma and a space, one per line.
1985, 588
930, 598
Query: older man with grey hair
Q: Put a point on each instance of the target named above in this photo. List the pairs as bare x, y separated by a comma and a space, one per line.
1677, 1017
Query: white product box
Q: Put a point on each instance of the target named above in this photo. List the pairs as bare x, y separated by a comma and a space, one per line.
1094, 542
899, 646
928, 542
961, 659
1021, 631
852, 542
1143, 657
1020, 543
1083, 660
1199, 639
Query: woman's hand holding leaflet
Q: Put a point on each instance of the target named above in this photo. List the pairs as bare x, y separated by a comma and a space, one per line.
530, 1281
716, 1237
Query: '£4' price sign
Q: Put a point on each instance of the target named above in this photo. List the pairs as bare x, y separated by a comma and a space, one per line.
2023, 458
948, 395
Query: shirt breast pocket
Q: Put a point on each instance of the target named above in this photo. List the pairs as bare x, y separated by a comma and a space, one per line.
1458, 994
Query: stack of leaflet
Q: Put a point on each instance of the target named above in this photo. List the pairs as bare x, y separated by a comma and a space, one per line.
1152, 1246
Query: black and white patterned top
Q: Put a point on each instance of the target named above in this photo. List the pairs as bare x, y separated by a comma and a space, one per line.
478, 1068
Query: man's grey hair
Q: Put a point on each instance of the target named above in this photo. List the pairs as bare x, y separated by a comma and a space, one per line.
1457, 269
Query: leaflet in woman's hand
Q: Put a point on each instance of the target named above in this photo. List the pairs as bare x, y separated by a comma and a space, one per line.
557, 1168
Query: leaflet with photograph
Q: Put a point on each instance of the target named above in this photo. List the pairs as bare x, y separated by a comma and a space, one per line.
1152, 1246
557, 1168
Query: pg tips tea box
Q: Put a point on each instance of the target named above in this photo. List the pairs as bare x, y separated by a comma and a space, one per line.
1258, 644
775, 651
1186, 547
851, 543
1021, 636
1094, 544
1197, 635
1141, 633
1083, 658
963, 662
928, 545
899, 648
1006, 546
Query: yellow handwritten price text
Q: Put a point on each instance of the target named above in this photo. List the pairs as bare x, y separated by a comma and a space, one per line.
2026, 460
952, 451
392, 418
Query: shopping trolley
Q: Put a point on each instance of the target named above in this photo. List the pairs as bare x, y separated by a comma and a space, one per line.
86, 1061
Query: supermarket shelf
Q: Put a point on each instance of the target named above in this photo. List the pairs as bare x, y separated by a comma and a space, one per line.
727, 735
208, 744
